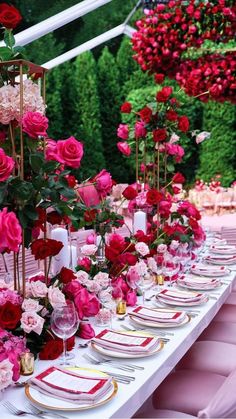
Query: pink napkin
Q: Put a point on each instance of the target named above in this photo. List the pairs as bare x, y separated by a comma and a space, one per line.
180, 296
126, 343
70, 386
158, 316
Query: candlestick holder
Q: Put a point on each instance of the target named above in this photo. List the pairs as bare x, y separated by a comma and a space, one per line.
27, 363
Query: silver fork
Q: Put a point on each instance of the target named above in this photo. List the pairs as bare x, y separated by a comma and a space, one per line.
111, 361
120, 367
147, 329
154, 332
17, 412
42, 413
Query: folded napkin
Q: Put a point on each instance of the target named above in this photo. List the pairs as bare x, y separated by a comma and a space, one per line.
158, 316
126, 343
221, 259
223, 249
72, 387
198, 282
208, 270
180, 296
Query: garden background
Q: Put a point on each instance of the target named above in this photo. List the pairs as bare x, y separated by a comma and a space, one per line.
84, 95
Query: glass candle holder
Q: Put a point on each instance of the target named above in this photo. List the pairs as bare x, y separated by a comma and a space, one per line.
121, 307
160, 279
27, 363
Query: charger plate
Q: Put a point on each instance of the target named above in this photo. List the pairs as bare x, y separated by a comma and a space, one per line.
51, 403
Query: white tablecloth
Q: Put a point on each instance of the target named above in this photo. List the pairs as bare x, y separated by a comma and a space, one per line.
131, 397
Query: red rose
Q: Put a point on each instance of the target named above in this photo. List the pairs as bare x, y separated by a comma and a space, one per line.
171, 115
126, 107
178, 178
183, 124
159, 134
9, 16
128, 259
66, 275
10, 315
54, 218
146, 114
130, 193
43, 248
90, 215
51, 350
164, 94
153, 197
71, 180
159, 78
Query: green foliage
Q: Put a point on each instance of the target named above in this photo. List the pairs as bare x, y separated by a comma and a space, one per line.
109, 89
218, 154
55, 103
44, 49
87, 110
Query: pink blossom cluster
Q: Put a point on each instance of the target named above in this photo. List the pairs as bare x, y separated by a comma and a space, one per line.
10, 101
9, 295
11, 347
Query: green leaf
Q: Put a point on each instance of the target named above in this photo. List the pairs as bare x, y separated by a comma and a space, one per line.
68, 193
36, 161
9, 38
50, 166
170, 167
3, 192
31, 213
5, 53
23, 219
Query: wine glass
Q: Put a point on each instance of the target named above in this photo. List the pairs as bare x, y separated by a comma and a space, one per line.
64, 323
146, 281
170, 266
108, 303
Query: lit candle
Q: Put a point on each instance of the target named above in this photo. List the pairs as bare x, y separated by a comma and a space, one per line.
140, 221
27, 363
73, 257
63, 257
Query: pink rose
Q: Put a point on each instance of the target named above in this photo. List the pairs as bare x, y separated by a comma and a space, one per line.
89, 249
103, 183
202, 136
86, 304
85, 263
140, 130
68, 152
85, 331
32, 322
6, 374
38, 289
133, 276
10, 231
161, 248
14, 359
72, 288
142, 248
89, 194
91, 239
31, 305
35, 124
82, 277
124, 148
6, 165
131, 298
123, 131
56, 297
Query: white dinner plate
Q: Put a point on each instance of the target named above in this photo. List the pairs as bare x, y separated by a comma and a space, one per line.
198, 287
221, 260
203, 300
143, 322
51, 403
114, 354
207, 270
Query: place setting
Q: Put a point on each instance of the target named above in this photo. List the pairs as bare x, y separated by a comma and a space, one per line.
209, 270
198, 283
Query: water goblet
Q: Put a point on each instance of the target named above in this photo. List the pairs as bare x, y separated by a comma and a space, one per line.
170, 267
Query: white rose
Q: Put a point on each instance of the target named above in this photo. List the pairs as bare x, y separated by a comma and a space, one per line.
56, 297
89, 249
142, 248
31, 305
82, 277
162, 248
38, 289
152, 265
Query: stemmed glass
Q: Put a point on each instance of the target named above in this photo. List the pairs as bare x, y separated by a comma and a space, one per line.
64, 323
170, 266
145, 282
108, 303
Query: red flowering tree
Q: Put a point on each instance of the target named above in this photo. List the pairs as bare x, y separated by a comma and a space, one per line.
170, 33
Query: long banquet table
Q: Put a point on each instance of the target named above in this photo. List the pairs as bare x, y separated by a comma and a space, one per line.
130, 398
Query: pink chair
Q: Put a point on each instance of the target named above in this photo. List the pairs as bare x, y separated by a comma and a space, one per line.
210, 356
220, 331
188, 393
227, 313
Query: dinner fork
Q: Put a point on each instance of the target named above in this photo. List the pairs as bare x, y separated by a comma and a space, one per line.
111, 361
42, 413
120, 367
17, 412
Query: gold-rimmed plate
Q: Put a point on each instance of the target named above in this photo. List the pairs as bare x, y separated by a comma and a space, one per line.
158, 325
112, 353
51, 403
